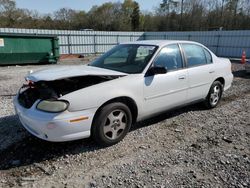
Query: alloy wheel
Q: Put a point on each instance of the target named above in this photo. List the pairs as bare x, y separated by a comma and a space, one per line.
115, 124
215, 95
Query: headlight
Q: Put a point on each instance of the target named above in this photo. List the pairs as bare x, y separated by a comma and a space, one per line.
53, 106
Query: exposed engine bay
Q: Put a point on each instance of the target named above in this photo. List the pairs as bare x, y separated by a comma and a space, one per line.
31, 92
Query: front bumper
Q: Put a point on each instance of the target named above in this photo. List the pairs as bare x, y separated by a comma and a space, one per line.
55, 127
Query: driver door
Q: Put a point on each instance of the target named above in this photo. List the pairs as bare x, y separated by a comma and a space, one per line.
165, 91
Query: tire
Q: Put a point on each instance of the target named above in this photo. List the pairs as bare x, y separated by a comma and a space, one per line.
214, 95
111, 124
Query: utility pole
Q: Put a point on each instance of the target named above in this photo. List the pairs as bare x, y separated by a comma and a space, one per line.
182, 14
221, 14
235, 13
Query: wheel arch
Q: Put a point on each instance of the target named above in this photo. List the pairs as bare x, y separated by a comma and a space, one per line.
125, 100
221, 80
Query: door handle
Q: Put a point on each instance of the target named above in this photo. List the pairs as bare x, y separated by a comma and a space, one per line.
182, 77
210, 72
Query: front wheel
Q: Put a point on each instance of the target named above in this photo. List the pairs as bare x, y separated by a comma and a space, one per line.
214, 95
111, 124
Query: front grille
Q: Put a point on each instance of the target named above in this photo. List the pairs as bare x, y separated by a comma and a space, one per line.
28, 97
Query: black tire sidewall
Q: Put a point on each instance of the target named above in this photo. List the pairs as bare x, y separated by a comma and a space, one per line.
99, 122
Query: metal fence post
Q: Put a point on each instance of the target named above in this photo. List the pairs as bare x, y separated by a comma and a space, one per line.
69, 44
117, 39
218, 43
166, 36
95, 48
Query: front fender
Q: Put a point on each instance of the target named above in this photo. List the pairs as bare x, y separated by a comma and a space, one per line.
96, 95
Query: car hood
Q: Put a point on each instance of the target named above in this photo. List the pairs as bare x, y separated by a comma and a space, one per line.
61, 72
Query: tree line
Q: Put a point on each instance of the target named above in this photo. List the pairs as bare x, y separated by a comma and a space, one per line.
169, 15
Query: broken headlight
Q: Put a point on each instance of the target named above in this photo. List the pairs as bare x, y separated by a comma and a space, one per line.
53, 106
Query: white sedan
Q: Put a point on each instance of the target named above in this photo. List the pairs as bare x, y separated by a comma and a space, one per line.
129, 83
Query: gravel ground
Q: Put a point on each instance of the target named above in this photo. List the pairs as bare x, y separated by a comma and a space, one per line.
188, 147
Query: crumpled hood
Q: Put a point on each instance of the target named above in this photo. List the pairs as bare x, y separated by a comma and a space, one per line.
60, 72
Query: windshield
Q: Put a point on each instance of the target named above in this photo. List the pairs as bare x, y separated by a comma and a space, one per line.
127, 58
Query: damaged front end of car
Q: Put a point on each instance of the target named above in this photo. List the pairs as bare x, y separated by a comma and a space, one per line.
49, 92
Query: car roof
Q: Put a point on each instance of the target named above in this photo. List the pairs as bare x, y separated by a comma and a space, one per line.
159, 42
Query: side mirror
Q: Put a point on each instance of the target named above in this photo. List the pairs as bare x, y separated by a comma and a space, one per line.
156, 70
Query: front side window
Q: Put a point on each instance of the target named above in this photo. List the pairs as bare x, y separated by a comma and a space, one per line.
128, 58
195, 55
169, 57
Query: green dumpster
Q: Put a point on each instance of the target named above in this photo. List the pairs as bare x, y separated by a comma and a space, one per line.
28, 49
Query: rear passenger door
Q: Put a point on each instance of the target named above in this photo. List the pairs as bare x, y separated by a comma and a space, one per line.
200, 70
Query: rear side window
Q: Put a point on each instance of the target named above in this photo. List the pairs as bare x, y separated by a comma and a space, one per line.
169, 57
208, 56
195, 55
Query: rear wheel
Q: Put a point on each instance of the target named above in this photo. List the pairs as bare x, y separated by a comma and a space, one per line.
214, 95
111, 124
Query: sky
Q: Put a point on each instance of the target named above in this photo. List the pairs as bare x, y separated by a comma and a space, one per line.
50, 6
